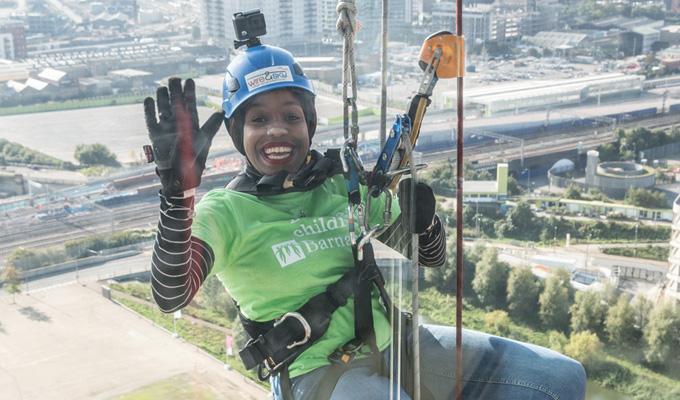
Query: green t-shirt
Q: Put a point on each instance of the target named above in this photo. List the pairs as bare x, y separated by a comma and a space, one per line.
271, 261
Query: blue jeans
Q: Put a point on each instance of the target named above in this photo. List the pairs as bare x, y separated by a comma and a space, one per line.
493, 368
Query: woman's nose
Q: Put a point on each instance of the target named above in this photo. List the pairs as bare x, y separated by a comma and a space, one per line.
276, 128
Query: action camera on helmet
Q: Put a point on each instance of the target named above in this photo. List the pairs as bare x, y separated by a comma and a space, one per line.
248, 27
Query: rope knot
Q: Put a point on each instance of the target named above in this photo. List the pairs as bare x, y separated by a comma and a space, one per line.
347, 18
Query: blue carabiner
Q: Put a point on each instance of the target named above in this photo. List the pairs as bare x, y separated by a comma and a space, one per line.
391, 153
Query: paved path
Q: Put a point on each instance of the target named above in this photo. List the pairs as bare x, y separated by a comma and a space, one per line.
69, 342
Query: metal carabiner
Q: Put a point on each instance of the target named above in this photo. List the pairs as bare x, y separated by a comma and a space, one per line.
387, 213
303, 322
363, 239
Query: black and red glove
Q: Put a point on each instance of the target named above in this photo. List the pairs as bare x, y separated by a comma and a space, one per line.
179, 146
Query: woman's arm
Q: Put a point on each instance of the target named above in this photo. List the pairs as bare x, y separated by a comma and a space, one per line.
180, 262
431, 243
179, 147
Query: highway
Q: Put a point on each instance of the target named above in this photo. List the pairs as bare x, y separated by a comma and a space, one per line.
110, 269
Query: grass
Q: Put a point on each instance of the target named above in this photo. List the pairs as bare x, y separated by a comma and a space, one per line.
366, 112
649, 252
207, 339
178, 387
72, 104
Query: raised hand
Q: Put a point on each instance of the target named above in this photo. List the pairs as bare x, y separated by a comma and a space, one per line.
180, 147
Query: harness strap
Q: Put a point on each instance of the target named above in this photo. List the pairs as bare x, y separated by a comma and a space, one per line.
280, 342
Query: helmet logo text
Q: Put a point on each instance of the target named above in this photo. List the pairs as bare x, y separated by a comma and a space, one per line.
268, 76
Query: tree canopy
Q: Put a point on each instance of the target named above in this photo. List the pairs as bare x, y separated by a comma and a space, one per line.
95, 154
523, 292
555, 300
491, 280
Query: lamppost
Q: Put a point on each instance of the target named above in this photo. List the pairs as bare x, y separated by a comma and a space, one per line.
555, 240
587, 247
528, 171
477, 218
635, 245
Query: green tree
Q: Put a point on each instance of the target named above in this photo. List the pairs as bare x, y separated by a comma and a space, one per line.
95, 154
642, 197
642, 309
497, 322
608, 152
523, 292
520, 223
557, 341
662, 334
585, 347
572, 192
215, 297
555, 300
620, 323
588, 312
12, 279
491, 280
513, 187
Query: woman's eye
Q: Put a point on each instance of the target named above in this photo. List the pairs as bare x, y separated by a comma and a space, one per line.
258, 119
293, 117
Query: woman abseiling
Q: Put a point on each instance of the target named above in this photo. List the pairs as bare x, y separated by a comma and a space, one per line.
277, 238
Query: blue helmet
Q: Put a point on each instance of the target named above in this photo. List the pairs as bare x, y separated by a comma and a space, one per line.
257, 70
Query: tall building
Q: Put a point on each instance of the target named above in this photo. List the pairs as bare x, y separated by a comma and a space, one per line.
13, 46
288, 21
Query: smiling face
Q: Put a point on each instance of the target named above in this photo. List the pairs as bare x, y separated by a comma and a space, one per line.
275, 135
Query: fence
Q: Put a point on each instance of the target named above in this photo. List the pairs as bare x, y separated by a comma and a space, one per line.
656, 153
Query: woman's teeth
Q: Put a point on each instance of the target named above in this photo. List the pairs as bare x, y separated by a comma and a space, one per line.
278, 153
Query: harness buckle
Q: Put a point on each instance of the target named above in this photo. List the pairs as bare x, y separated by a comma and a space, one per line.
346, 353
303, 322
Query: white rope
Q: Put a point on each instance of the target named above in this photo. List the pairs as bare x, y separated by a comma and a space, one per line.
348, 26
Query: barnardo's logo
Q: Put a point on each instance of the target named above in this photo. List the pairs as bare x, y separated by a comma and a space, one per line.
268, 76
288, 252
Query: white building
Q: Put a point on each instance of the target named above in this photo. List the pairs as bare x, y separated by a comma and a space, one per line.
672, 287
287, 22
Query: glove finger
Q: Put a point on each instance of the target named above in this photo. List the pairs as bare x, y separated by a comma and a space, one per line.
163, 103
150, 116
175, 88
190, 102
212, 125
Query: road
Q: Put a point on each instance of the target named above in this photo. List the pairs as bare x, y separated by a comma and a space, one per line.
111, 269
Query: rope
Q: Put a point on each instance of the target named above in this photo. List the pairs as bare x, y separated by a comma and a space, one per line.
348, 26
459, 219
415, 273
383, 75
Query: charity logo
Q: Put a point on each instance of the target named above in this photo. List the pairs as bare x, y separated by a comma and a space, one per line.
268, 76
288, 252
